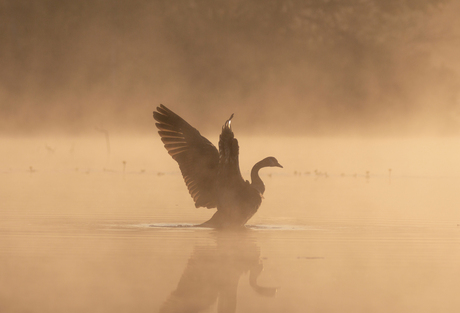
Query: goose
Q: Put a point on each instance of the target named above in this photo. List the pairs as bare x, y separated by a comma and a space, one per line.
212, 176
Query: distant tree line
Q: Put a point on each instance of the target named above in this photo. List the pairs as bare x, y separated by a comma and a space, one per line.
340, 59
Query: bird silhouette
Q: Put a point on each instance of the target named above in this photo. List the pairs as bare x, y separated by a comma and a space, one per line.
212, 176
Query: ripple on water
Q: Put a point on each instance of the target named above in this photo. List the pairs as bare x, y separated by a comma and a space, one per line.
195, 226
279, 227
171, 225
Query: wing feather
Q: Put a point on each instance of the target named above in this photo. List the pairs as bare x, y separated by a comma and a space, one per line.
197, 157
229, 167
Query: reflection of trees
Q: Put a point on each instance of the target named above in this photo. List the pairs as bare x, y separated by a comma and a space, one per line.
213, 273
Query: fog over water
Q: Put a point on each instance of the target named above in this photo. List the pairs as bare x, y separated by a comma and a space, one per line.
83, 229
358, 100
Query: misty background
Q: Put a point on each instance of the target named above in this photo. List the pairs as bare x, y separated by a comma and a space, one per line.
315, 67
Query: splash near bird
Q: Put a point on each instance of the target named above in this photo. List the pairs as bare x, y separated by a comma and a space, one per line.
213, 177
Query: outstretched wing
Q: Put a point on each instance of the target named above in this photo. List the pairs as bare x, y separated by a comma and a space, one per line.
197, 157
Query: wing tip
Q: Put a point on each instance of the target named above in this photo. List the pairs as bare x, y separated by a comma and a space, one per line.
228, 123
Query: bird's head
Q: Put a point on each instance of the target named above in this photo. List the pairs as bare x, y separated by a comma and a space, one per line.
272, 162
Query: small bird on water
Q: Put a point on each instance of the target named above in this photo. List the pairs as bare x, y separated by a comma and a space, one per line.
212, 176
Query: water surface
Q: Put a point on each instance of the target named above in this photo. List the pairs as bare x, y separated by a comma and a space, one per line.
82, 230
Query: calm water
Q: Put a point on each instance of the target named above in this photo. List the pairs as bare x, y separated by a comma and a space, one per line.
86, 231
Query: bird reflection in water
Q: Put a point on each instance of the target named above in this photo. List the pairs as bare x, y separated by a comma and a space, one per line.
213, 273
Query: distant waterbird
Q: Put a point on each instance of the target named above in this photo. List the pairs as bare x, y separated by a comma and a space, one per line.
50, 150
213, 176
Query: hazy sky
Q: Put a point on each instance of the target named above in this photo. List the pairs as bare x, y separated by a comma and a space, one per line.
283, 67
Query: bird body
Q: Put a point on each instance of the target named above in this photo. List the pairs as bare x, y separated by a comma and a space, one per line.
213, 176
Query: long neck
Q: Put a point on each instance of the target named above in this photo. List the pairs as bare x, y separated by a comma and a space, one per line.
256, 182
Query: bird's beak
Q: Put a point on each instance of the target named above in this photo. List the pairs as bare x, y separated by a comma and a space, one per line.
279, 165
